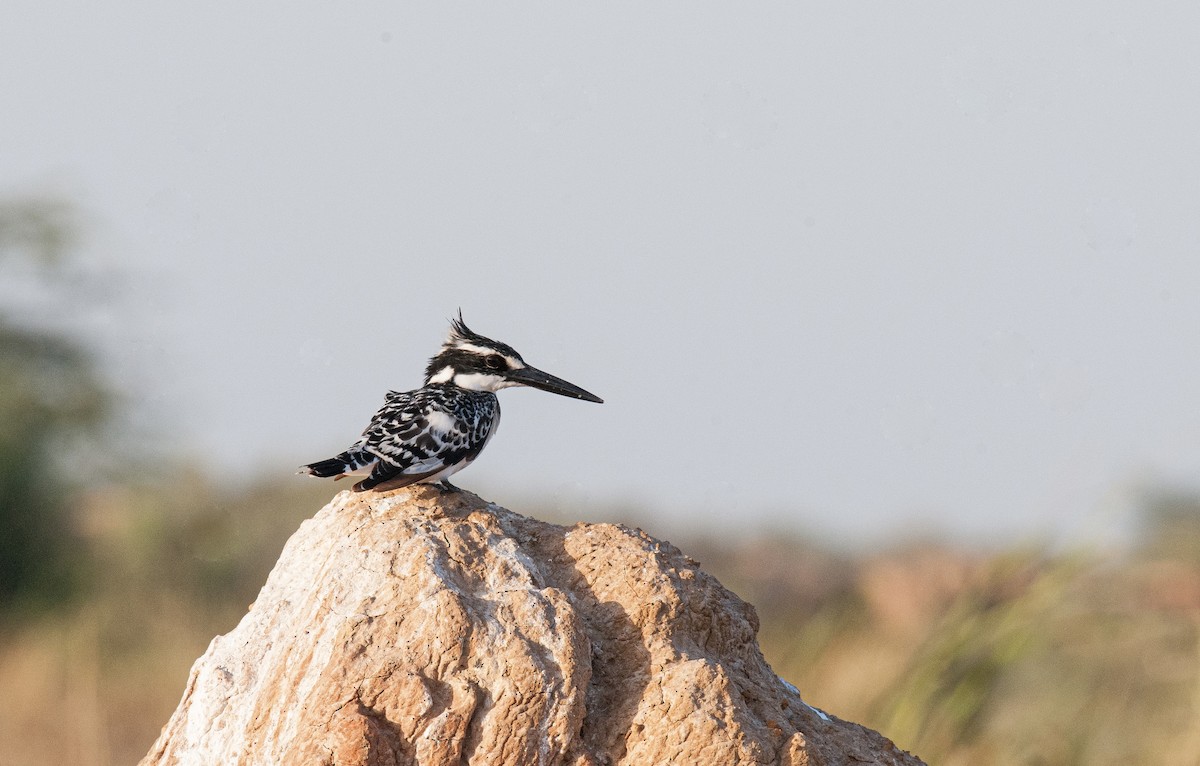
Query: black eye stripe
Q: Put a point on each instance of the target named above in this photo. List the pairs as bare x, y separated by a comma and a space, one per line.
496, 362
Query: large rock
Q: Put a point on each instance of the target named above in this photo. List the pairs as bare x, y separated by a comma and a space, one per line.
416, 627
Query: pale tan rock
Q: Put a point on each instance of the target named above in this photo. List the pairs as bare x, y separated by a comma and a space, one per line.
415, 627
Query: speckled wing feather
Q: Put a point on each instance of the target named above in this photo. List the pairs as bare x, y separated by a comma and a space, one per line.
419, 434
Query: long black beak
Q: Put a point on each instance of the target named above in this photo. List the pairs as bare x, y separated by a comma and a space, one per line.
531, 376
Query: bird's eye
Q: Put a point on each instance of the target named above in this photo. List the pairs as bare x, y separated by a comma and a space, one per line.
495, 362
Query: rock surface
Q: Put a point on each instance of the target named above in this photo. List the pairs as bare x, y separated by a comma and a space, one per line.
415, 627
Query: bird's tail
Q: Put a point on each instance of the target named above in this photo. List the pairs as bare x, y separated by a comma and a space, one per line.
348, 462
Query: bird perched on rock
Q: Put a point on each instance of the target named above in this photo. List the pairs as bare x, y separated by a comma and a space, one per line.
426, 435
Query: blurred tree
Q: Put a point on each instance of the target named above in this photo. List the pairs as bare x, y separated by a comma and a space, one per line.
1171, 523
50, 397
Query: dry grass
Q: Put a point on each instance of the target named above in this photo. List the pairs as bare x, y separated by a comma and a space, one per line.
961, 657
1017, 657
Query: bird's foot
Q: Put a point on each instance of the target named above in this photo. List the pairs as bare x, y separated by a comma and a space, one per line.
446, 487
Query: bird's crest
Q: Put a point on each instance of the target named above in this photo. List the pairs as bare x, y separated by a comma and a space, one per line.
460, 333
461, 345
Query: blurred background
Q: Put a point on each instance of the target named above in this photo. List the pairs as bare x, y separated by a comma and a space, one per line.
894, 310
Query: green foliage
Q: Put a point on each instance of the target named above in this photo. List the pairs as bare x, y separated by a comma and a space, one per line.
50, 396
1171, 523
42, 230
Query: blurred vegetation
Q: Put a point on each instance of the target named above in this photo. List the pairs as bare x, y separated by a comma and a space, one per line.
50, 399
1025, 656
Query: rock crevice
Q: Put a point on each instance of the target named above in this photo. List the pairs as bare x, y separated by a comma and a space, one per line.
416, 627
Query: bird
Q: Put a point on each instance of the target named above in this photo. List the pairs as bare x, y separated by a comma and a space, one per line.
428, 434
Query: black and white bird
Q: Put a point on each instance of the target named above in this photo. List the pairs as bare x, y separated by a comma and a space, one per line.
427, 435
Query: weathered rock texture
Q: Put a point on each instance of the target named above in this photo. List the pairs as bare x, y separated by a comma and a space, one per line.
414, 627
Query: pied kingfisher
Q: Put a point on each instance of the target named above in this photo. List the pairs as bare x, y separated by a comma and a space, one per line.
429, 434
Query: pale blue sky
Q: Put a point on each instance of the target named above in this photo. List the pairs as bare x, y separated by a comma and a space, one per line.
866, 268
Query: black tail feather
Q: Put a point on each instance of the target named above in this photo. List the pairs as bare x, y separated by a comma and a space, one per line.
335, 466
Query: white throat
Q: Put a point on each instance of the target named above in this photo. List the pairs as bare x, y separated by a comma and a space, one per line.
478, 381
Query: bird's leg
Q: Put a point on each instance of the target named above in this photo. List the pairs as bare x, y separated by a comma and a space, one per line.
445, 486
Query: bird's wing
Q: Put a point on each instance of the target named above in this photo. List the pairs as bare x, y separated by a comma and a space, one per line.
417, 434
385, 476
